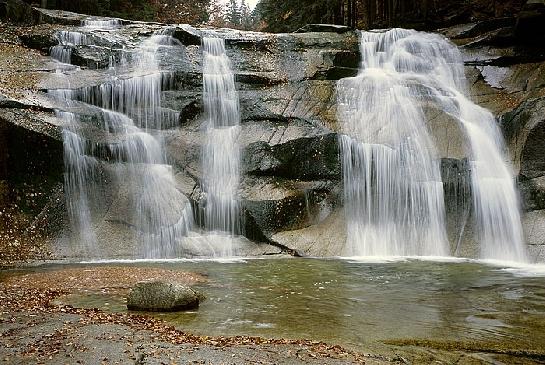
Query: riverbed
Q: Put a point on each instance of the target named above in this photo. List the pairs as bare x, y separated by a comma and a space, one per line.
363, 305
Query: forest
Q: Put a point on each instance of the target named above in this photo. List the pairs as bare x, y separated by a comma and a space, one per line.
290, 15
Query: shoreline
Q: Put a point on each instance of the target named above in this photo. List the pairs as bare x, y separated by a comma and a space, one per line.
33, 329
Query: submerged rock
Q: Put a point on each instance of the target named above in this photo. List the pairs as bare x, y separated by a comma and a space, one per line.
161, 296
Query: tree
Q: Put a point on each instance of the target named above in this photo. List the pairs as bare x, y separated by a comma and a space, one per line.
180, 11
233, 13
246, 18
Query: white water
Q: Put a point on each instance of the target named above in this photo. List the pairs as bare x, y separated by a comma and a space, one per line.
78, 178
495, 197
393, 189
156, 211
102, 23
221, 154
67, 41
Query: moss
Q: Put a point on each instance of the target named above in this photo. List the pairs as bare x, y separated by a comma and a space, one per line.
463, 346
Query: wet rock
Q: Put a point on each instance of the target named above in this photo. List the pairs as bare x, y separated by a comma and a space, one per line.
303, 158
456, 177
524, 130
533, 224
333, 28
93, 57
59, 17
323, 239
275, 204
337, 65
533, 193
259, 158
160, 296
312, 101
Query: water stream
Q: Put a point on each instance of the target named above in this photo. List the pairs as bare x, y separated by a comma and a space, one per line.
393, 189
221, 152
131, 116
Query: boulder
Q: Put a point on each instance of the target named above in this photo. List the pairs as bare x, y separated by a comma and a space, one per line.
161, 296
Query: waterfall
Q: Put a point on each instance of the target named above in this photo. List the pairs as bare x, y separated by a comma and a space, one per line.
131, 116
495, 197
78, 177
393, 191
102, 23
67, 41
221, 154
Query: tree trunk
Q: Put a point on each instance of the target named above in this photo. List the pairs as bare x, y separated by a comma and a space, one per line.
348, 16
354, 14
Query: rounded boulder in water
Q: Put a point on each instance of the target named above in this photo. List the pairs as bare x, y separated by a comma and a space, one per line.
161, 296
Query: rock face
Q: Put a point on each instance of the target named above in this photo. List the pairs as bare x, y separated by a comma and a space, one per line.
291, 188
160, 296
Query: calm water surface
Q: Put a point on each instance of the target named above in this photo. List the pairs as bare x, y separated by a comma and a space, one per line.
358, 304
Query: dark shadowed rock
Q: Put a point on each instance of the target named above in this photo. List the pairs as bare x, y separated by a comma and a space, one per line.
530, 25
17, 11
41, 41
187, 35
302, 158
524, 130
479, 28
160, 296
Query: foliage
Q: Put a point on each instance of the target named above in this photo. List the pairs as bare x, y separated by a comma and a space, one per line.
167, 11
234, 15
289, 15
177, 11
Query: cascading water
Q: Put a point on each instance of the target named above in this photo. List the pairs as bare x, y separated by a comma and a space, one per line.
221, 156
393, 190
78, 176
102, 23
131, 117
67, 41
495, 196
